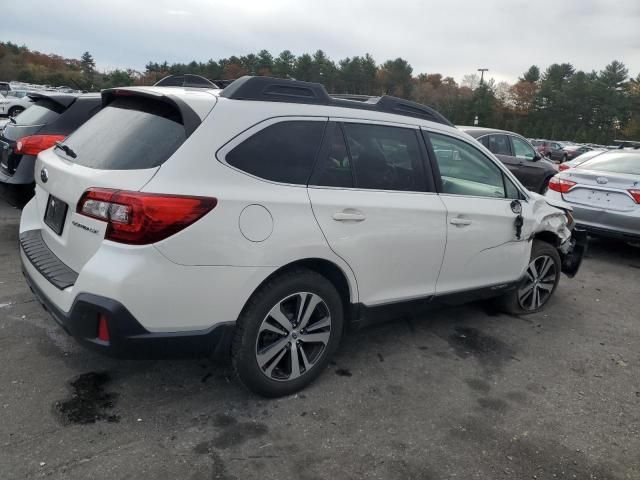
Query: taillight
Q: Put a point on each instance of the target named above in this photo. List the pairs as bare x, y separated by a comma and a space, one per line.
103, 328
635, 194
560, 184
34, 144
139, 218
563, 167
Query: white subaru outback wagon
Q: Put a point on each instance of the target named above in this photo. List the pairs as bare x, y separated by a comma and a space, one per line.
262, 220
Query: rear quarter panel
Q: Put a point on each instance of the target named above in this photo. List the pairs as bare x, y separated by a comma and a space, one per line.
217, 239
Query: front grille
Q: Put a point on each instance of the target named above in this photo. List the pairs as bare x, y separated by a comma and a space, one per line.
43, 259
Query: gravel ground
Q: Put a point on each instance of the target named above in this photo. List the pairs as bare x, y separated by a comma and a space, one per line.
462, 393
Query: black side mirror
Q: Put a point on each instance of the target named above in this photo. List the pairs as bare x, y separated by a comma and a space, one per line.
536, 157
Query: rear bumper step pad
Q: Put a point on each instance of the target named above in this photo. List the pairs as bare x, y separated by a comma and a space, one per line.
44, 260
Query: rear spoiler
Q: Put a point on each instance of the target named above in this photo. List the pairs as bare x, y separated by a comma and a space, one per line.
190, 118
185, 80
64, 100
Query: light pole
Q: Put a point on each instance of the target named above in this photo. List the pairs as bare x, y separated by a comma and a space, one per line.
482, 70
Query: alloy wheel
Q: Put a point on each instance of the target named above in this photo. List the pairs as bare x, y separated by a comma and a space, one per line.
540, 281
293, 336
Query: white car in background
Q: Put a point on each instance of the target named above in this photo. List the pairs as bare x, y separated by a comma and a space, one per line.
15, 102
262, 220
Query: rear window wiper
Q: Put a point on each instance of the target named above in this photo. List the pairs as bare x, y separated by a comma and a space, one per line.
66, 149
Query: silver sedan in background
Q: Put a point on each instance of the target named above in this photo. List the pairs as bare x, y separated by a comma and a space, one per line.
604, 192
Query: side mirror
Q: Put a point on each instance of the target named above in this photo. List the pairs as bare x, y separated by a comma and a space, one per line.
536, 157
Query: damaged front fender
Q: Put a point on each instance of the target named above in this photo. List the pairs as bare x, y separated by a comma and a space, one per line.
557, 220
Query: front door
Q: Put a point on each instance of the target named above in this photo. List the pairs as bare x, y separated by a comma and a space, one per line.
482, 248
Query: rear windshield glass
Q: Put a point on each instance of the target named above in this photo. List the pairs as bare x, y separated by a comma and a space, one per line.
130, 133
614, 162
40, 113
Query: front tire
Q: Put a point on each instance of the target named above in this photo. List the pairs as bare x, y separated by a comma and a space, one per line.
287, 333
541, 279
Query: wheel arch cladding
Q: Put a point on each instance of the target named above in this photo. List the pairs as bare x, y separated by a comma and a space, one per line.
548, 237
327, 269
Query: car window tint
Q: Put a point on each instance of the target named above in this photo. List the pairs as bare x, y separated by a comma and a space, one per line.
282, 152
334, 169
130, 133
522, 149
465, 170
499, 145
510, 189
42, 112
385, 158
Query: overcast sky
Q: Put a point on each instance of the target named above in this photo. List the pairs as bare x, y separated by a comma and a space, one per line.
452, 37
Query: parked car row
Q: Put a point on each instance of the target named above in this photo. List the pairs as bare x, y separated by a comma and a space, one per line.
564, 151
263, 220
14, 103
49, 120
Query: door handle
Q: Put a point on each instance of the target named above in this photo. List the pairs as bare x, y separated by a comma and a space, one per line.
460, 222
348, 217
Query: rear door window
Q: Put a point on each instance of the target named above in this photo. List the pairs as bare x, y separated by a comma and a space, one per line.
334, 168
130, 133
283, 152
499, 145
44, 111
385, 157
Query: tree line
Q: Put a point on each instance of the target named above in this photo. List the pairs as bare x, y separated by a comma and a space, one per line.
559, 102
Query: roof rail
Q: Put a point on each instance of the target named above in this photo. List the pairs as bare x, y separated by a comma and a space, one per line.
357, 98
268, 89
185, 80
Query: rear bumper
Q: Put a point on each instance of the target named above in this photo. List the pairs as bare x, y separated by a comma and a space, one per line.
608, 222
127, 337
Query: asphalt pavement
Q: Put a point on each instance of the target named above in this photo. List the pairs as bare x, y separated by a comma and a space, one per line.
460, 393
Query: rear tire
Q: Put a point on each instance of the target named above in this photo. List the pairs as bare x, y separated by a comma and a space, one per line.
287, 333
542, 277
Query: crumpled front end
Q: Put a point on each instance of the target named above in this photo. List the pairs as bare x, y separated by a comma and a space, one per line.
552, 217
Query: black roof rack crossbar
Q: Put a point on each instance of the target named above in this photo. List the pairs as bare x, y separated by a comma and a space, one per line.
268, 89
185, 80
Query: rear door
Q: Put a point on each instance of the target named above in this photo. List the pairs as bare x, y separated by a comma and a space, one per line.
121, 147
482, 248
532, 172
378, 209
